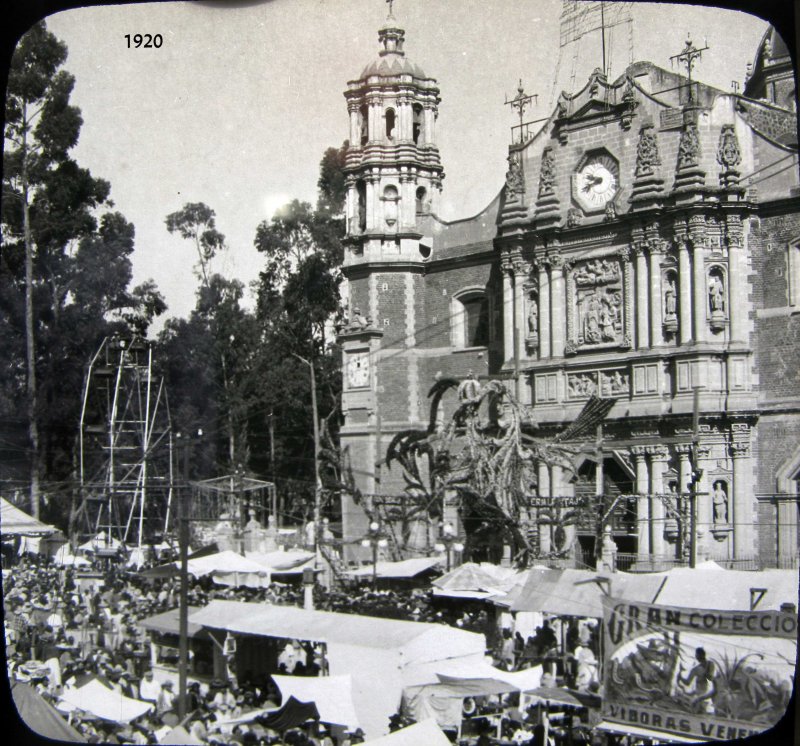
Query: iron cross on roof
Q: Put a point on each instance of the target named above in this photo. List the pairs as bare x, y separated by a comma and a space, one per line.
520, 102
688, 56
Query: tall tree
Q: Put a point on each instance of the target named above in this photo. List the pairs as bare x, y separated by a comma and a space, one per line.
297, 305
331, 183
47, 198
220, 316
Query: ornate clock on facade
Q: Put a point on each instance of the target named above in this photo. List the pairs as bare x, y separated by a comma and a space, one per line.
596, 182
358, 371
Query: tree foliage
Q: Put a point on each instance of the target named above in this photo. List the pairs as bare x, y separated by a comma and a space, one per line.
64, 271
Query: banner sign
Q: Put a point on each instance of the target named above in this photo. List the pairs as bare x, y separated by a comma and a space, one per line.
714, 675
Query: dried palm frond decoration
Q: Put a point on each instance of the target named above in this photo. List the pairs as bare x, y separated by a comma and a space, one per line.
486, 456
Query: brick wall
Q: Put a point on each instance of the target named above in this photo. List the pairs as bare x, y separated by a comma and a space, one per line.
391, 293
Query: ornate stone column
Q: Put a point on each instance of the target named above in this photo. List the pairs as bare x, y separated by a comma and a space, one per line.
408, 205
697, 240
521, 270
737, 311
656, 248
429, 119
642, 298
742, 508
544, 312
544, 491
372, 201
508, 309
684, 467
703, 501
355, 133
684, 293
658, 461
558, 315
643, 502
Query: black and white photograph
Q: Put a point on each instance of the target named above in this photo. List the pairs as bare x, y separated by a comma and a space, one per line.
400, 372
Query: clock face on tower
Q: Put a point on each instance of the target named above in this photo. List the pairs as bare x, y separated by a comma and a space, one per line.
358, 371
596, 182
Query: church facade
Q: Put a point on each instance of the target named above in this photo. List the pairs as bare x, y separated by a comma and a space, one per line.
645, 247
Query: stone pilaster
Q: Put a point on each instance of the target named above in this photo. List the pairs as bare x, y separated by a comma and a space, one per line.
643, 508
658, 462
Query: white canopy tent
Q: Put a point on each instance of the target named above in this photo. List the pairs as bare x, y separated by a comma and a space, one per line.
104, 703
230, 568
426, 733
16, 522
404, 569
333, 696
379, 654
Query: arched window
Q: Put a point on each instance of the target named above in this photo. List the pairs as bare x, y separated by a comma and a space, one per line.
470, 319
390, 123
417, 123
363, 120
361, 190
422, 205
390, 197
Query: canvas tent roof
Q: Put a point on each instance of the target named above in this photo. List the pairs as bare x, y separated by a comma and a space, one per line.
426, 732
580, 592
291, 622
105, 703
728, 590
168, 622
16, 522
403, 569
40, 716
332, 695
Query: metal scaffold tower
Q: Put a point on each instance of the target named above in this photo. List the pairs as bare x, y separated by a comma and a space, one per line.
125, 445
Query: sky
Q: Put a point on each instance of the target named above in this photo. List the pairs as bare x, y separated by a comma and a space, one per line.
238, 105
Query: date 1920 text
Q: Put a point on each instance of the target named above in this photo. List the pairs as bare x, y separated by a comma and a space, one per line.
146, 41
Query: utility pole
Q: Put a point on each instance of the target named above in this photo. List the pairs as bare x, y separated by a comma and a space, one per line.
183, 604
697, 473
183, 610
317, 484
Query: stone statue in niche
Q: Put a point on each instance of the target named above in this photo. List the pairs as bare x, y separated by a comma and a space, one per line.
533, 316
716, 300
716, 294
719, 500
670, 299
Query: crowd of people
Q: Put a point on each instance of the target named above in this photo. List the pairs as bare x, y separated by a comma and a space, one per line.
63, 630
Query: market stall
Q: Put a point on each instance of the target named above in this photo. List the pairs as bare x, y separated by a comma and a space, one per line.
379, 654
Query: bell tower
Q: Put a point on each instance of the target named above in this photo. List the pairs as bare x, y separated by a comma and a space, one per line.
394, 174
394, 182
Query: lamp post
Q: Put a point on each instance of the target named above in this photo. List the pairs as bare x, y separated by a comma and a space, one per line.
375, 539
448, 542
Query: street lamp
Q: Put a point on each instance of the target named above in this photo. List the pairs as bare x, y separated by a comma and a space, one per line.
376, 540
448, 542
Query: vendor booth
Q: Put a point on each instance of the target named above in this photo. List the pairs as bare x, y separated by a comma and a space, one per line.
381, 655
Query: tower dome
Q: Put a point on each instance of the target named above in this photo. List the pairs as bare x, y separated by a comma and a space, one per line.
392, 60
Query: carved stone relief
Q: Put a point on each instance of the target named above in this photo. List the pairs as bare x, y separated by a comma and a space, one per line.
595, 289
